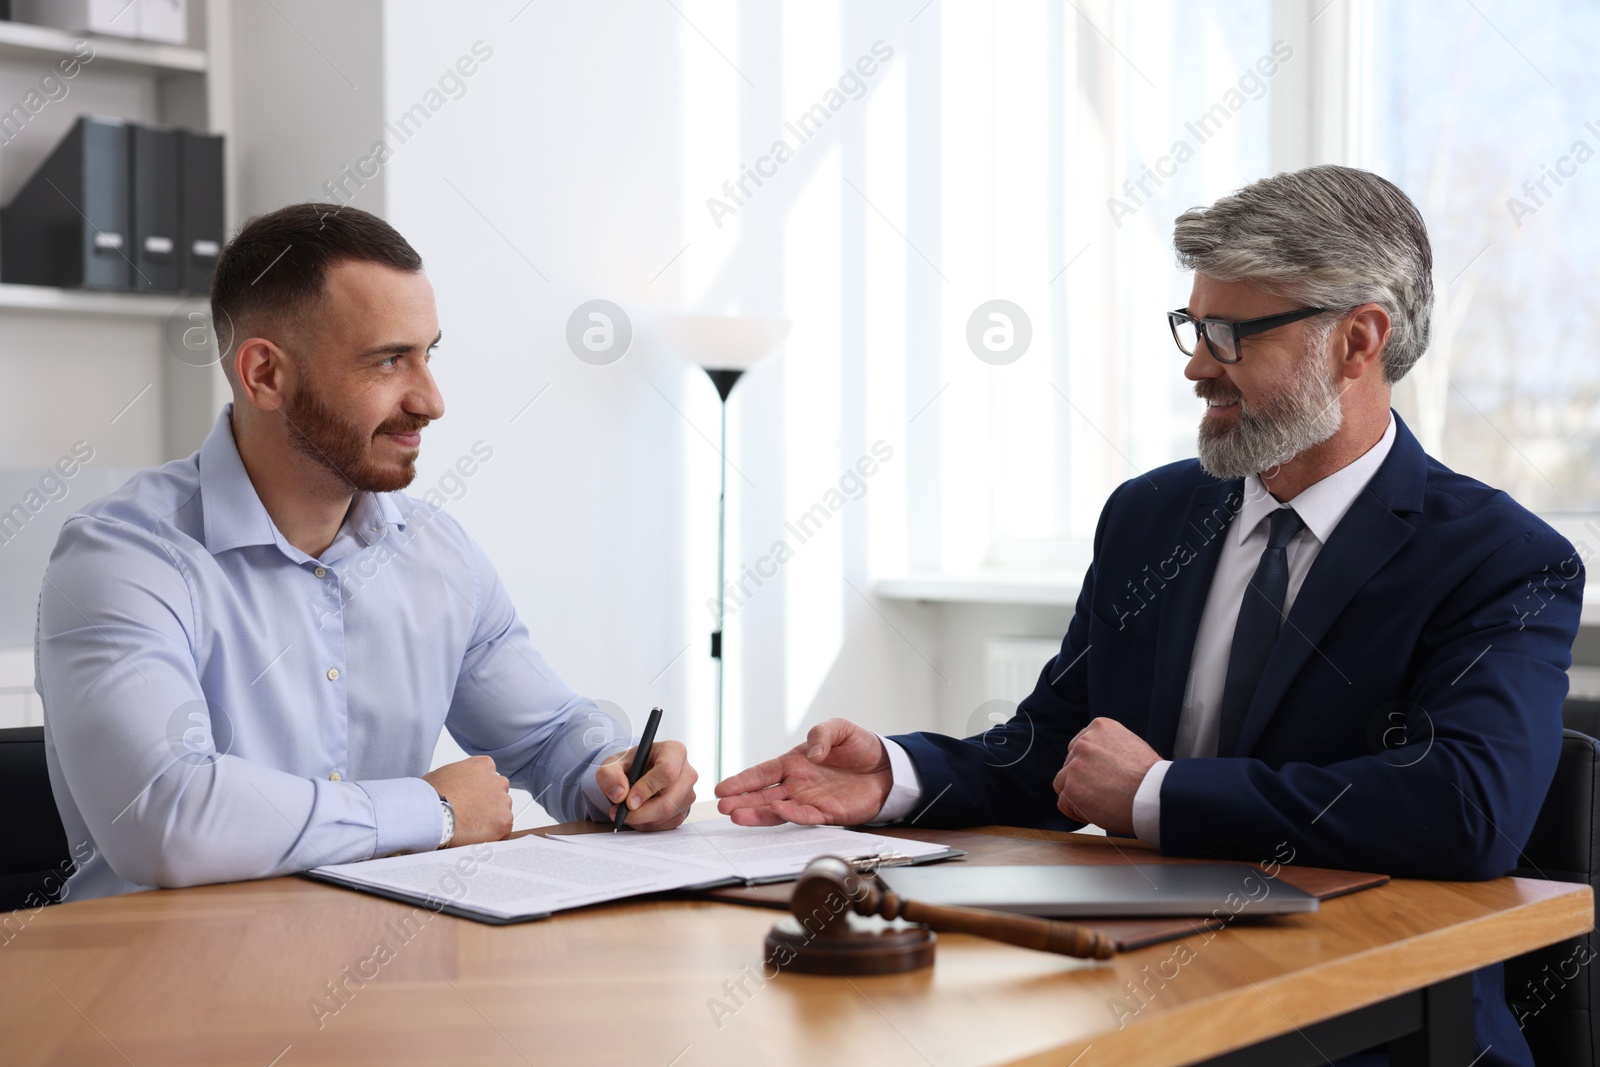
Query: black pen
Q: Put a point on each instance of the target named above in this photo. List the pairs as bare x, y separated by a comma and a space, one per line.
641, 757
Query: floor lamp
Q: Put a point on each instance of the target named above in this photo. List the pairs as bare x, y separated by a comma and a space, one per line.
724, 346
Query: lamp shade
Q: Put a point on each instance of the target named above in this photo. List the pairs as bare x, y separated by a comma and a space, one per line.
724, 342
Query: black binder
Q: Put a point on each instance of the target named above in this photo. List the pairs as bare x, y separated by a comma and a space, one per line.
201, 163
154, 200
69, 226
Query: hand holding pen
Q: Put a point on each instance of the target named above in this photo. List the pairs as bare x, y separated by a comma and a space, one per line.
651, 785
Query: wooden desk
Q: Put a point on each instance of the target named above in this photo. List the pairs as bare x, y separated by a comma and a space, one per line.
229, 974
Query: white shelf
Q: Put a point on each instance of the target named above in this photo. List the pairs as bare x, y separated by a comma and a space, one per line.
82, 301
1048, 588
20, 39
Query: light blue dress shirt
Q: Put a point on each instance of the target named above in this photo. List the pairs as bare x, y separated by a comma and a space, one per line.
218, 705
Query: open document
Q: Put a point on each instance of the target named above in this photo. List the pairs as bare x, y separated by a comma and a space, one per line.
531, 877
509, 881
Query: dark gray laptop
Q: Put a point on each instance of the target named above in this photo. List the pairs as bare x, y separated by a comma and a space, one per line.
1114, 890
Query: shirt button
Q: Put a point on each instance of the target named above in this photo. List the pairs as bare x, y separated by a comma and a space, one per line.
335, 776
333, 674
321, 572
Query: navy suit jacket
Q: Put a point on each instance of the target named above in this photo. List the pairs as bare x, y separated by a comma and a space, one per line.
1408, 720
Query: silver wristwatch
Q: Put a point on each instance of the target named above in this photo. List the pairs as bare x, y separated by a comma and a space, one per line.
449, 822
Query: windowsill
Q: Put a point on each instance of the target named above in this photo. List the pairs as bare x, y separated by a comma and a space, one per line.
1048, 588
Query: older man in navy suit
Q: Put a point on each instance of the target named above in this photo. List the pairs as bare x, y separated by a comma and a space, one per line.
1315, 636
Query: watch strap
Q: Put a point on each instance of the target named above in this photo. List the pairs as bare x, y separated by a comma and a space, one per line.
449, 822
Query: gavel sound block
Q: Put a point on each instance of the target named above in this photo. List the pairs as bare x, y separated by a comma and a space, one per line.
830, 930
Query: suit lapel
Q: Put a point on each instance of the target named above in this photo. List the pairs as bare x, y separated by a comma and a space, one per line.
1366, 538
1206, 522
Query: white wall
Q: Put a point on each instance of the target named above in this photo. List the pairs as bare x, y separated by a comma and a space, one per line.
564, 158
599, 505
539, 188
308, 85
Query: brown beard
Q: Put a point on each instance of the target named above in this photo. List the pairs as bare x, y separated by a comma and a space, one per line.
344, 449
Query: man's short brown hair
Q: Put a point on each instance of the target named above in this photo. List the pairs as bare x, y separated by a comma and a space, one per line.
272, 276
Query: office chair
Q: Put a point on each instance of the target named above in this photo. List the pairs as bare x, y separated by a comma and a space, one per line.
1582, 716
33, 854
1553, 993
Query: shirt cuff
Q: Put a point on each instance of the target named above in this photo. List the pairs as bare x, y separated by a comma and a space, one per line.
599, 803
407, 814
1147, 804
907, 788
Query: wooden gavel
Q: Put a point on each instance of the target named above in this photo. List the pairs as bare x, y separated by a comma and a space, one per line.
830, 887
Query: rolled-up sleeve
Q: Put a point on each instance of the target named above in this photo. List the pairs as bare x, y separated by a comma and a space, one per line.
133, 734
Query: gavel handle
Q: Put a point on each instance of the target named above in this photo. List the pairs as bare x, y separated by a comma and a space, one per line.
1026, 931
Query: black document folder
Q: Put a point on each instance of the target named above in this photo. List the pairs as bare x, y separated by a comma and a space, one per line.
1077, 891
200, 160
153, 195
118, 205
70, 225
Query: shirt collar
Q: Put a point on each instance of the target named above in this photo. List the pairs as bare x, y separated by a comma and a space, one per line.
235, 517
1322, 504
371, 515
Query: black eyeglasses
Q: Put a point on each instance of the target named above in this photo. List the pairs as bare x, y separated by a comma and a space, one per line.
1222, 337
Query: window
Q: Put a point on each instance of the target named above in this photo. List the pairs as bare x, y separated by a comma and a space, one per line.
1069, 137
1484, 114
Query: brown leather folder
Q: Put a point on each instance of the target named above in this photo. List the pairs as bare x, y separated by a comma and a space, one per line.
1007, 847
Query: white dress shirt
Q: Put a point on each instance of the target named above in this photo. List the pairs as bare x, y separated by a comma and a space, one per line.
1321, 506
218, 705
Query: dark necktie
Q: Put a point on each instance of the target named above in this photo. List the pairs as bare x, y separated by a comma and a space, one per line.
1260, 616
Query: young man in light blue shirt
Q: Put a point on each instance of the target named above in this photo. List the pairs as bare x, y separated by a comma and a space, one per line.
246, 656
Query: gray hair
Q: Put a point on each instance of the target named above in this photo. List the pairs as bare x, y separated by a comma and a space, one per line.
1334, 237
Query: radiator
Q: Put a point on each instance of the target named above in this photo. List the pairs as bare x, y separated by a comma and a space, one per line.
1011, 665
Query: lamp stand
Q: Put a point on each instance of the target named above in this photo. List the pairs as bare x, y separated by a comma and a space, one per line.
724, 381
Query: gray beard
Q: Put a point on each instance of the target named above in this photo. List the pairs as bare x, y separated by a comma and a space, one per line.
1283, 427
